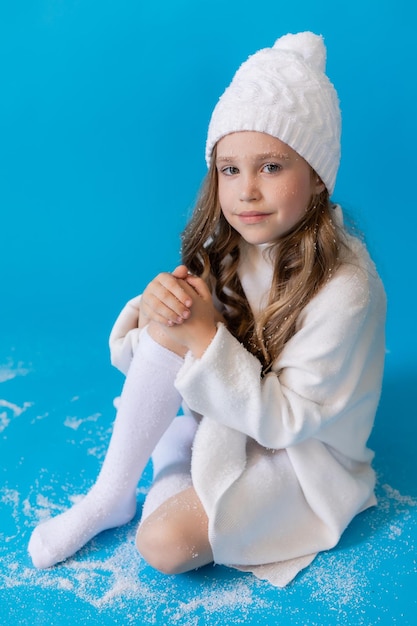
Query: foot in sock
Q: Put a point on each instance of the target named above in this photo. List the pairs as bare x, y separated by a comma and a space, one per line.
148, 404
62, 536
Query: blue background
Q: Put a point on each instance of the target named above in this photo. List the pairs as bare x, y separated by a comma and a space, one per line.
104, 108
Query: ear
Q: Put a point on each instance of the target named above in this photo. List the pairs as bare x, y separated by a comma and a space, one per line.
318, 185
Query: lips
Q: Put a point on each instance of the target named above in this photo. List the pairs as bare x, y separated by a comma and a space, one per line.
253, 217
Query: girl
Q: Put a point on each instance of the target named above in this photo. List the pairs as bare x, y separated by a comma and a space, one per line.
271, 335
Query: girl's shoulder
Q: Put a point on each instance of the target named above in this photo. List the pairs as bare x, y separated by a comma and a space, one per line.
355, 260
354, 293
356, 280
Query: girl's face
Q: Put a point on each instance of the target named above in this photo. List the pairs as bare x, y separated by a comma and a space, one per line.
265, 187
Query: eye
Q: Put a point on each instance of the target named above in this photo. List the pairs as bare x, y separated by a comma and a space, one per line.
230, 170
272, 168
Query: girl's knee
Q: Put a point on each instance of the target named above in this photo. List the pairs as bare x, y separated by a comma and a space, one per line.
164, 548
174, 538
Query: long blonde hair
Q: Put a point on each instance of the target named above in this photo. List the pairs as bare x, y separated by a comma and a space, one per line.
303, 259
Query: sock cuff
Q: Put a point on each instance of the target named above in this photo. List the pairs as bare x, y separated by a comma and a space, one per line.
157, 354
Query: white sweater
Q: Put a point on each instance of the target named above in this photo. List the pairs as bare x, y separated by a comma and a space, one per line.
281, 464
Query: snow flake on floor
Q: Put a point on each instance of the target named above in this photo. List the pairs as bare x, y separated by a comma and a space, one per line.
9, 410
75, 422
10, 370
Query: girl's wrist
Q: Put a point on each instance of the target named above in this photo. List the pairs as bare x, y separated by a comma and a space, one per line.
201, 341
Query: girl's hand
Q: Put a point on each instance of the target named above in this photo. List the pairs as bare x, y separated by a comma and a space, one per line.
165, 301
197, 331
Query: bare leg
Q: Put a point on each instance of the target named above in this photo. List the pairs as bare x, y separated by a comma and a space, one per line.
174, 539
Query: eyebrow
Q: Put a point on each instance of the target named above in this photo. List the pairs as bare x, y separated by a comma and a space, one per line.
281, 156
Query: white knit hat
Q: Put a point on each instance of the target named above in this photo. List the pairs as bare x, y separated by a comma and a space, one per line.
284, 92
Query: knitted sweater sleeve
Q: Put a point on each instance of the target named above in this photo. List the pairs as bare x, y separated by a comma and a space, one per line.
124, 336
328, 374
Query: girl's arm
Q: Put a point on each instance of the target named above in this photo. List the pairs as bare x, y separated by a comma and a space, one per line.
167, 300
330, 369
196, 332
124, 336
125, 333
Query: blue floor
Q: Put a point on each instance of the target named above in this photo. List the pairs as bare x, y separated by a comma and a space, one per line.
55, 420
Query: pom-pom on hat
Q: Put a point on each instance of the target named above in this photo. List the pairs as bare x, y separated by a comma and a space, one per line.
283, 91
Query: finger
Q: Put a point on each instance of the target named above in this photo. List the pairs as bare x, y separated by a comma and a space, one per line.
167, 308
167, 288
161, 303
175, 286
199, 285
162, 317
164, 312
180, 272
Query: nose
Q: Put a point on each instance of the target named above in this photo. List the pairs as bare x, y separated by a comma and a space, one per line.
249, 189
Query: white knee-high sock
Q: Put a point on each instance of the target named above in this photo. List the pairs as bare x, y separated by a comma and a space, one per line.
173, 450
148, 404
171, 463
